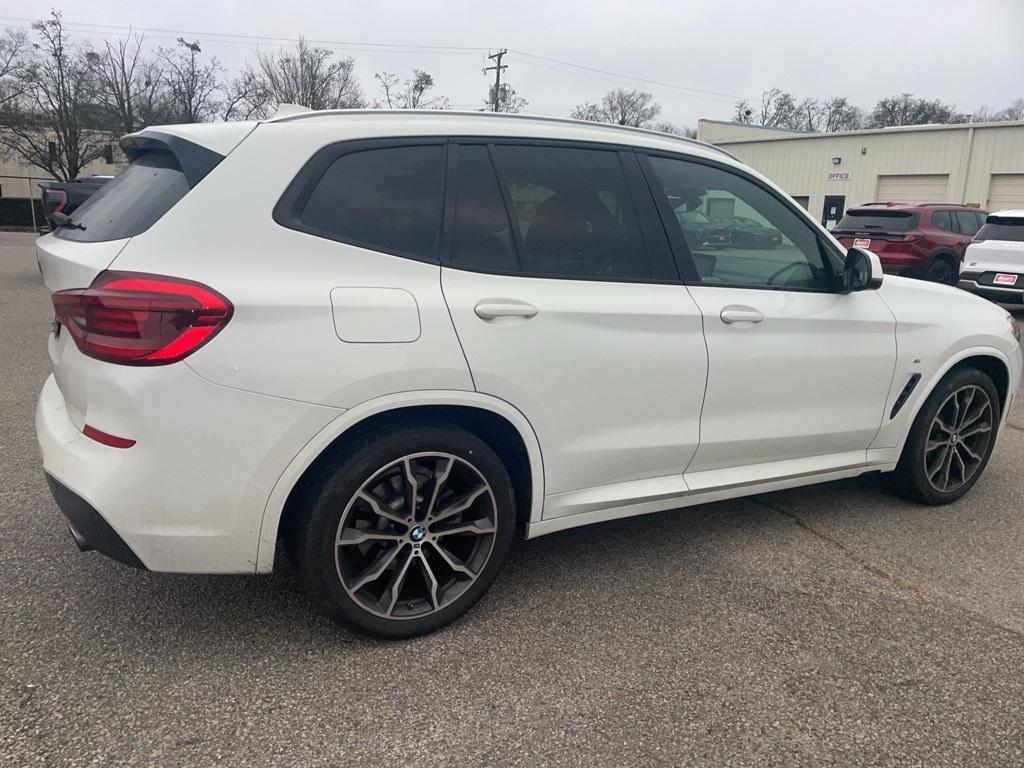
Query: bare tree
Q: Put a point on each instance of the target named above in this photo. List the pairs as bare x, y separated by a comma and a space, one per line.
12, 50
129, 85
778, 109
906, 109
621, 107
306, 75
664, 126
48, 123
411, 93
1013, 112
192, 84
838, 114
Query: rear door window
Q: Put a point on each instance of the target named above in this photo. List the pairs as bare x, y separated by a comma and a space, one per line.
132, 202
942, 220
573, 213
482, 239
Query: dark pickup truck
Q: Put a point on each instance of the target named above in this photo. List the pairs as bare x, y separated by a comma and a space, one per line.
63, 197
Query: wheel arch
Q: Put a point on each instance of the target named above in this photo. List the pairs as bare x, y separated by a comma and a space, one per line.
987, 359
944, 254
495, 421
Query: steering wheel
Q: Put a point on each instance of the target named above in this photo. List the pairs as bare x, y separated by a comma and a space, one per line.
788, 268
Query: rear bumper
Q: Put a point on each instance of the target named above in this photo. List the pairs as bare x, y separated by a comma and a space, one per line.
189, 497
88, 527
993, 293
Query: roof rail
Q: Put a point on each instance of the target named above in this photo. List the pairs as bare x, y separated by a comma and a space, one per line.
294, 117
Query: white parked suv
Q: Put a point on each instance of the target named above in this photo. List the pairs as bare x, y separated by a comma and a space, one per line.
993, 264
395, 341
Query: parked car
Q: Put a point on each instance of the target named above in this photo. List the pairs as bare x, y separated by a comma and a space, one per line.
994, 264
699, 230
926, 241
747, 233
394, 367
64, 197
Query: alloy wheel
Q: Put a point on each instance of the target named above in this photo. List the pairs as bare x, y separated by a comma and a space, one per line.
416, 535
958, 439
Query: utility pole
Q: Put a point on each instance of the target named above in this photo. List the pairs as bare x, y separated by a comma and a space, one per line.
498, 69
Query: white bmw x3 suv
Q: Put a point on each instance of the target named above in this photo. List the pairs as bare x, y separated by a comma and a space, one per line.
394, 341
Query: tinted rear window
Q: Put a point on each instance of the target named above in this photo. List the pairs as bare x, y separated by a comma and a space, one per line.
386, 199
1003, 228
132, 202
880, 221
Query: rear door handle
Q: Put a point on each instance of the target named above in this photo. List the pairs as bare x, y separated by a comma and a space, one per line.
490, 310
737, 315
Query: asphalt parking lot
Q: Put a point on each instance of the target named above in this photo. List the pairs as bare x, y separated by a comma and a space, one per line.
832, 625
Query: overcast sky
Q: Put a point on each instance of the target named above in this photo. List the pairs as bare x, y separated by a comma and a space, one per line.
969, 53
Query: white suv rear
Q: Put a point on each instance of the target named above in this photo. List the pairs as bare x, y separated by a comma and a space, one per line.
394, 341
993, 265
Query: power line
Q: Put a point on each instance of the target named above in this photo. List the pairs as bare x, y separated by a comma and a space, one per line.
552, 63
717, 94
625, 81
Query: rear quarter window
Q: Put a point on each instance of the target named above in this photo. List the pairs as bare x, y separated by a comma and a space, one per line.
132, 202
386, 199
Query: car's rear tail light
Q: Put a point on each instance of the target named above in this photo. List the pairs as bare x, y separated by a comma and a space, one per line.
138, 319
106, 438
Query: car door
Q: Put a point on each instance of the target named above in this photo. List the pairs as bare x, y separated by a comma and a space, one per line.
798, 374
564, 294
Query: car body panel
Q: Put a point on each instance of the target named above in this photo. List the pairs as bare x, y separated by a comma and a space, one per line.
605, 390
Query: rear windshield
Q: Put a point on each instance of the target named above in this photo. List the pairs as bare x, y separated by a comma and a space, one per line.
1002, 228
132, 202
878, 221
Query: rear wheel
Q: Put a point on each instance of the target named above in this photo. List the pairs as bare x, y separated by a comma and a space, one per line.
406, 532
951, 440
942, 271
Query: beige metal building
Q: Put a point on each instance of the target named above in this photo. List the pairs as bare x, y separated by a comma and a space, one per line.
980, 164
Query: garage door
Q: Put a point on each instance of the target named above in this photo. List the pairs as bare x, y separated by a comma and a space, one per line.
1006, 191
917, 188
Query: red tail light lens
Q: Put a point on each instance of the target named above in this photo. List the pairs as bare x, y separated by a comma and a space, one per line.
137, 319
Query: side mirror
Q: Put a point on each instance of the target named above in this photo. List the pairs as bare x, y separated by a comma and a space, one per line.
861, 272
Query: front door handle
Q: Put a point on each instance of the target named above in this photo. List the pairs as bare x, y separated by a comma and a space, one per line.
739, 315
490, 310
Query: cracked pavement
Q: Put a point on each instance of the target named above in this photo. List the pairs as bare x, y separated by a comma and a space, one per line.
828, 625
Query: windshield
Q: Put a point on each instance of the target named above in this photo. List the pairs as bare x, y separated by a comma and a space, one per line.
130, 204
882, 221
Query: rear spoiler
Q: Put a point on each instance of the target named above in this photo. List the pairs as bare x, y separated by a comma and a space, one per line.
195, 160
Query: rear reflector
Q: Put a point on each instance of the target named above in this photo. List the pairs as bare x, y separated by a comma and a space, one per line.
138, 319
107, 439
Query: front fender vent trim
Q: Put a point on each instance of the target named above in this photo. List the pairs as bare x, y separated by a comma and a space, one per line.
905, 394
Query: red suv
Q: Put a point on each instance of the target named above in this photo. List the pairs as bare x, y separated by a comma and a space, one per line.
925, 240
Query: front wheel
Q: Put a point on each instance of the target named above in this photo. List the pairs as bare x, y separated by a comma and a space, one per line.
408, 530
951, 440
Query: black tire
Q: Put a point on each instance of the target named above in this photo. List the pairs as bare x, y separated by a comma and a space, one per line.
333, 492
911, 479
942, 270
